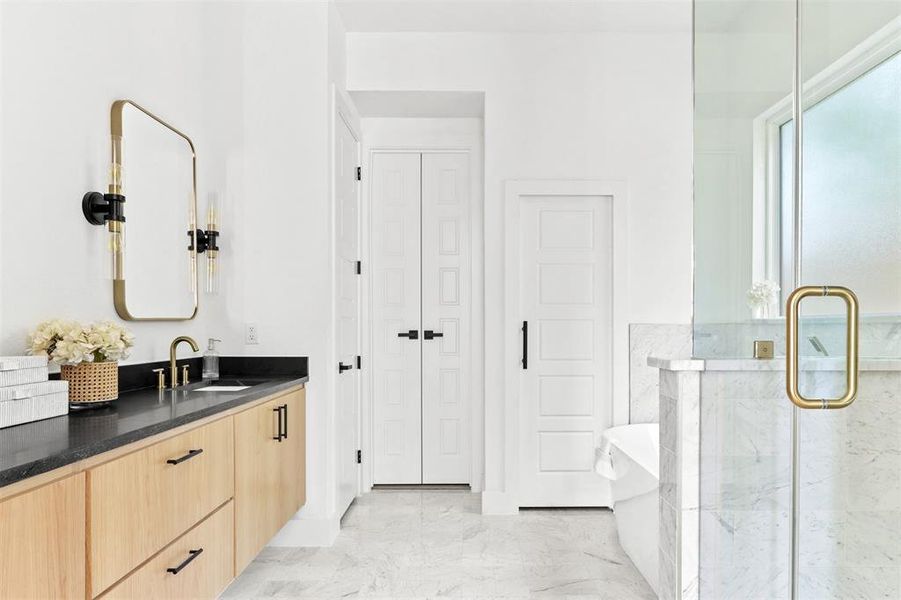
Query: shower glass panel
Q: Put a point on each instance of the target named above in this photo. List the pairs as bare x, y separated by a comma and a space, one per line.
743, 57
763, 227
849, 461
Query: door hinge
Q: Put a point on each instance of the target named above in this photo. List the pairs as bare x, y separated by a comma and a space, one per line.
359, 173
359, 457
359, 362
359, 267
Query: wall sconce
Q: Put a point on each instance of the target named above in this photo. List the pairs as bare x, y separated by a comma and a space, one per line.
207, 242
109, 209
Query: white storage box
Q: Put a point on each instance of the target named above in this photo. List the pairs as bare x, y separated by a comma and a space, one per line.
33, 402
19, 370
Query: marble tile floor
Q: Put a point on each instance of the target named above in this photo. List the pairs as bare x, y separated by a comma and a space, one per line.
436, 544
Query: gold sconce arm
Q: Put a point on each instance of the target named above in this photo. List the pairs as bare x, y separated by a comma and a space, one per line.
792, 311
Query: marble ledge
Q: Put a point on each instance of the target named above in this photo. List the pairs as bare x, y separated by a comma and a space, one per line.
676, 364
776, 364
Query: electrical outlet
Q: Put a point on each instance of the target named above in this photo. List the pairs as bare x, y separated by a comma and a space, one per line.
251, 334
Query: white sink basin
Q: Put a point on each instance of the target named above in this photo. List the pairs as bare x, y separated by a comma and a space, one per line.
222, 388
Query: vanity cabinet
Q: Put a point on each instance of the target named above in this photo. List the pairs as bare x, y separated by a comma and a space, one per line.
144, 500
269, 471
175, 515
42, 541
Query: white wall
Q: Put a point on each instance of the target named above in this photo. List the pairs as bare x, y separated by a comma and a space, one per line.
286, 273
569, 106
55, 146
248, 81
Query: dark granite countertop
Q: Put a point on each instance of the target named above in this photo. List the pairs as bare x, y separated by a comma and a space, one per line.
34, 448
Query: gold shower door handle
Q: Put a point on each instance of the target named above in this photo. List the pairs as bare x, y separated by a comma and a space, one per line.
792, 309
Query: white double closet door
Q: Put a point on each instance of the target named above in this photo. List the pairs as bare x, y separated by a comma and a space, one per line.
420, 317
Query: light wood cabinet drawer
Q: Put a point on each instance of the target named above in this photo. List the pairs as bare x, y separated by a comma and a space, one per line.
144, 500
200, 564
42, 542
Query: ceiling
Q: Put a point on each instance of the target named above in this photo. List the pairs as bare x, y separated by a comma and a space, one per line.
516, 16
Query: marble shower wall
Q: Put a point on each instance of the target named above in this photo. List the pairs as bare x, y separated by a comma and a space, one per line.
745, 485
851, 494
850, 460
678, 546
651, 339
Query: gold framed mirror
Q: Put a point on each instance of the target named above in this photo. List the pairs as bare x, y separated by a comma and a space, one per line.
153, 166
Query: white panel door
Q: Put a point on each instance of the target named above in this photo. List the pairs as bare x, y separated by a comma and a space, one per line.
396, 302
347, 314
445, 318
566, 301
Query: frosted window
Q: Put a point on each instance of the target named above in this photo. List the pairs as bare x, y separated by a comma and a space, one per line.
851, 222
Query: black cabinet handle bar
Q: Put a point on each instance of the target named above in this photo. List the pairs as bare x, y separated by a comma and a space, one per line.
285, 409
181, 459
192, 555
278, 410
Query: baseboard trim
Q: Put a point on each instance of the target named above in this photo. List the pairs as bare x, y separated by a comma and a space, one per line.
308, 533
499, 503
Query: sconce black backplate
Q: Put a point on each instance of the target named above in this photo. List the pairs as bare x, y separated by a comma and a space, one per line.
99, 208
206, 240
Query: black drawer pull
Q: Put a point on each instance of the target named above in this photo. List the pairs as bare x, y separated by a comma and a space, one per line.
193, 554
278, 409
285, 408
181, 459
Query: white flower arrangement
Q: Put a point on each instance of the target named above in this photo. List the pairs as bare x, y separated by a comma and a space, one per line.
762, 295
71, 343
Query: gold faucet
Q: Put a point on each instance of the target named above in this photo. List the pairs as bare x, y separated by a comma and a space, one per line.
173, 369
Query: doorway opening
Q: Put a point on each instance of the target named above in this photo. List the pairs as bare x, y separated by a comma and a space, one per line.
423, 288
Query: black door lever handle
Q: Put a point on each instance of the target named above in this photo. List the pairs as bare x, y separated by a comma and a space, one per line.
342, 367
413, 334
525, 345
428, 334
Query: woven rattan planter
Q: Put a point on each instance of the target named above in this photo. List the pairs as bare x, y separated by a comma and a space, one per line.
91, 382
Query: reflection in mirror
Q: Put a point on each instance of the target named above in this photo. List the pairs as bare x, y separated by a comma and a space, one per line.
159, 186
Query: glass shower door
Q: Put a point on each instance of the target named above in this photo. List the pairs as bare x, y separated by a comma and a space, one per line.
797, 182
847, 506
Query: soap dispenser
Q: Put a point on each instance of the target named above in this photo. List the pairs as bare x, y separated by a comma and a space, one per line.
211, 361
